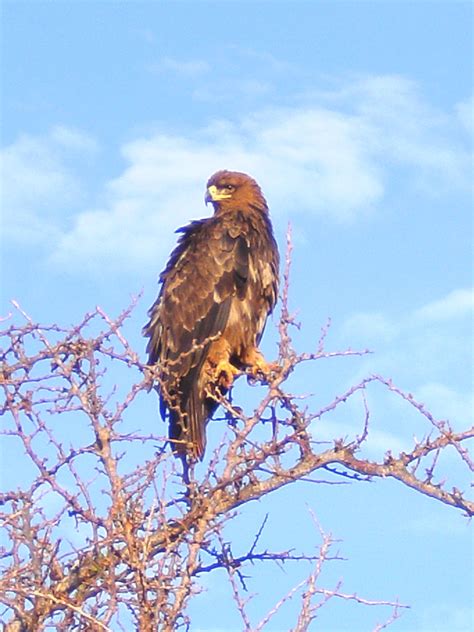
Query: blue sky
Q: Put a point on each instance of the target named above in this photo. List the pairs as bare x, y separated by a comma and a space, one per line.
356, 119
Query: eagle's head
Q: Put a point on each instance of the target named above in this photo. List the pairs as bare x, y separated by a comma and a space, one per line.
234, 190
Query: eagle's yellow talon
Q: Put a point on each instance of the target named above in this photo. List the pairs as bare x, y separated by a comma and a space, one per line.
258, 367
225, 373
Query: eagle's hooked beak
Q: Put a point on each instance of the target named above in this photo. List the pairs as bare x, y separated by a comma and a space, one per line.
213, 194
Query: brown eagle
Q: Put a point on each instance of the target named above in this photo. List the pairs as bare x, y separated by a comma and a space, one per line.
218, 287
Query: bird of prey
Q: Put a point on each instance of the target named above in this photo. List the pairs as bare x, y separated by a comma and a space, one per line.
217, 289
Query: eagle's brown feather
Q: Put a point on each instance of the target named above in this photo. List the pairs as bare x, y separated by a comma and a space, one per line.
218, 287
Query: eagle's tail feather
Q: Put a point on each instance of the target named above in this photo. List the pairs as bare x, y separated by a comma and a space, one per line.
200, 408
197, 417
187, 429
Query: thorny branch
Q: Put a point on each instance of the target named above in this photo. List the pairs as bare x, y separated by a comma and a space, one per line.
99, 529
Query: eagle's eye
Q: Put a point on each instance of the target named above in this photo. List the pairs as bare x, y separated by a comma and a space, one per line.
229, 187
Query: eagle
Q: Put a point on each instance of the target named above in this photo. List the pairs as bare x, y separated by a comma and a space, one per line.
217, 289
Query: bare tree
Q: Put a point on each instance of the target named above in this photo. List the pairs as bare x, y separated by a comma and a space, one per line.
99, 530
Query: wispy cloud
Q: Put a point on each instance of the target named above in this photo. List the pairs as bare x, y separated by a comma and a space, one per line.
73, 140
401, 128
378, 442
292, 154
448, 402
144, 34
264, 59
465, 112
227, 89
426, 347
187, 67
456, 304
371, 326
38, 184
443, 616
331, 156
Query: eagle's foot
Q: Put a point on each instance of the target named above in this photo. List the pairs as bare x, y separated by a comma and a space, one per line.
260, 369
224, 374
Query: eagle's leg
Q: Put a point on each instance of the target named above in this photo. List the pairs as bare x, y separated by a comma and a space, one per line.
257, 365
221, 372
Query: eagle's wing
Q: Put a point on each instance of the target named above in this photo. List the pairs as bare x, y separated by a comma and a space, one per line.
206, 270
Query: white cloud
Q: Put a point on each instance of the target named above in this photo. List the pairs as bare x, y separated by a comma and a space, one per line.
145, 34
315, 163
161, 189
187, 68
424, 348
465, 112
38, 185
226, 90
425, 525
268, 62
370, 326
292, 155
330, 158
456, 304
402, 129
378, 441
447, 402
447, 616
379, 328
73, 139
